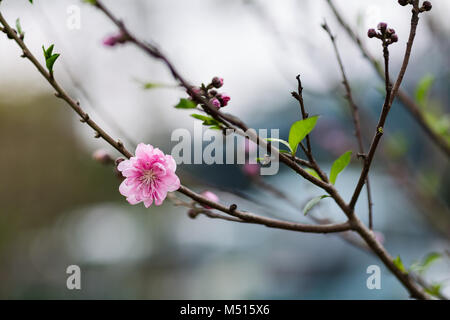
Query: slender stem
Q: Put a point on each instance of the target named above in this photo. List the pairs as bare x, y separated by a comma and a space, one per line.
355, 116
410, 105
308, 150
391, 92
269, 222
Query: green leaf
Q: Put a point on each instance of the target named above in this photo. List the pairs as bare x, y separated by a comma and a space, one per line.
426, 262
281, 141
339, 165
51, 61
430, 258
150, 85
18, 27
434, 290
207, 121
313, 173
48, 52
186, 104
423, 89
399, 264
93, 2
50, 57
312, 203
299, 130
31, 1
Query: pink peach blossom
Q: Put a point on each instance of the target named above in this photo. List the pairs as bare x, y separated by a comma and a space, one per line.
149, 175
210, 196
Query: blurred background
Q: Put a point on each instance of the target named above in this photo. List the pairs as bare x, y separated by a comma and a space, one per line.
59, 207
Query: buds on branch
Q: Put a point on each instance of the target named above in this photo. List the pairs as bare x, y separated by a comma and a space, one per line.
385, 34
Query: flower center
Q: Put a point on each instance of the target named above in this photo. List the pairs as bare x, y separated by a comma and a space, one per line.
148, 177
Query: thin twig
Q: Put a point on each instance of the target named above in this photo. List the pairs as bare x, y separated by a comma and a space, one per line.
410, 105
355, 116
391, 92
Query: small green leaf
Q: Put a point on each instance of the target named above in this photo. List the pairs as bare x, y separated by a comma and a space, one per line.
186, 104
207, 121
313, 173
281, 141
423, 89
150, 85
299, 130
339, 165
312, 203
399, 264
434, 290
48, 52
93, 2
51, 61
31, 1
422, 266
430, 258
19, 27
50, 57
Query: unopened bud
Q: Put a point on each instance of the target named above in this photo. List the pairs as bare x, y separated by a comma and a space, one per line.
215, 102
371, 33
390, 31
382, 26
403, 2
102, 156
119, 160
394, 38
427, 5
217, 82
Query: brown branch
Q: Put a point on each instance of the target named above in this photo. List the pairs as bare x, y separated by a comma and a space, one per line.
390, 95
410, 105
248, 217
415, 291
231, 121
60, 93
354, 223
269, 222
355, 116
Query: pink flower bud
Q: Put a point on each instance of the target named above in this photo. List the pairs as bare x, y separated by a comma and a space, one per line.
224, 98
427, 5
102, 156
215, 102
217, 82
111, 41
371, 33
196, 90
382, 26
210, 196
251, 169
